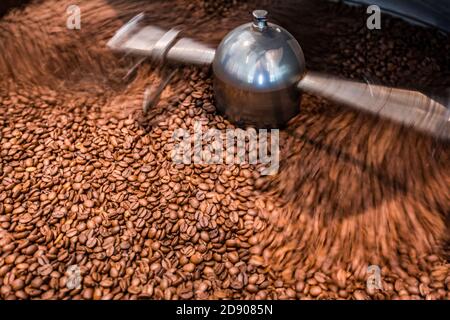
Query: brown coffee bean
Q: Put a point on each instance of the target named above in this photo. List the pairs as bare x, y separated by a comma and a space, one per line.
360, 295
106, 283
17, 284
89, 203
204, 186
233, 256
88, 293
91, 243
10, 258
25, 218
315, 291
341, 278
190, 267
196, 258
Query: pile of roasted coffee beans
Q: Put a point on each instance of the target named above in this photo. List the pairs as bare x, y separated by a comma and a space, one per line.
93, 207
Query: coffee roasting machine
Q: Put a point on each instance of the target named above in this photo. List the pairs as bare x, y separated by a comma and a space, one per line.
259, 76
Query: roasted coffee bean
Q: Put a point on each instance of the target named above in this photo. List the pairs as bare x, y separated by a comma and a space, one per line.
196, 258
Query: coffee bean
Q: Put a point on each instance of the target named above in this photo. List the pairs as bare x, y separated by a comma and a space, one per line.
91, 243
17, 284
89, 203
233, 256
189, 267
359, 295
88, 293
106, 283
26, 218
341, 278
196, 258
315, 291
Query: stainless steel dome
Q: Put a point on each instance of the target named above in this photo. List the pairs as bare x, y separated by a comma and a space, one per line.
257, 67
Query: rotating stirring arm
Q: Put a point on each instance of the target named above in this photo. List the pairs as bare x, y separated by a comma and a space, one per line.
159, 44
408, 107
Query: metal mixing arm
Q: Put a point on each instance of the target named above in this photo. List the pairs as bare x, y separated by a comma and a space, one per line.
159, 44
410, 108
